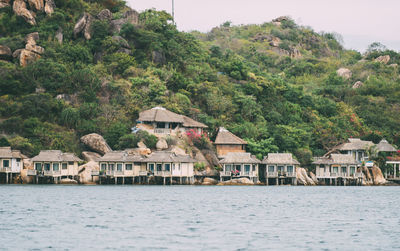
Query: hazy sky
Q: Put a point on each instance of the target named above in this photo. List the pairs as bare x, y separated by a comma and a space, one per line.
360, 22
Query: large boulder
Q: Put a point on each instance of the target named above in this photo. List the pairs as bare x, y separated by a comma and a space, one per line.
344, 73
68, 181
130, 16
83, 26
31, 52
90, 156
4, 3
209, 181
36, 5
49, 7
303, 178
383, 59
104, 15
59, 35
25, 179
239, 181
377, 176
357, 85
161, 144
85, 172
27, 57
96, 142
19, 8
211, 157
5, 52
314, 178
32, 38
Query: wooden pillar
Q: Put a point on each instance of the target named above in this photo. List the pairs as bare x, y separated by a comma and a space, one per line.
123, 180
6, 178
277, 182
267, 181
116, 180
164, 181
180, 180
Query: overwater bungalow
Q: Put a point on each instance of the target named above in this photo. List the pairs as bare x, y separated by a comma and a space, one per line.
279, 169
10, 163
160, 121
227, 142
338, 169
357, 148
389, 152
54, 165
121, 166
171, 167
239, 165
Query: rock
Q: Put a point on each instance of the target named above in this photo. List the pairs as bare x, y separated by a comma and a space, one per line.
96, 142
240, 181
68, 182
83, 25
158, 57
357, 85
138, 151
209, 181
40, 90
131, 16
278, 21
314, 178
178, 151
377, 175
34, 48
199, 157
104, 15
49, 7
161, 144
36, 4
17, 53
32, 38
302, 177
19, 8
4, 3
90, 156
116, 25
5, 52
59, 35
211, 157
68, 98
141, 144
295, 53
344, 73
393, 65
25, 179
26, 57
367, 174
383, 59
121, 42
85, 172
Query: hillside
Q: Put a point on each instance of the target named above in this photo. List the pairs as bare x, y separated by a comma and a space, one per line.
276, 84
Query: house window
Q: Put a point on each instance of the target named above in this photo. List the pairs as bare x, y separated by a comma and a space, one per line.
228, 168
335, 169
159, 167
290, 169
71, 163
64, 166
56, 167
344, 170
281, 168
38, 166
18, 160
352, 170
119, 167
151, 167
111, 167
271, 169
167, 167
173, 167
103, 166
128, 167
238, 168
254, 168
6, 163
47, 166
247, 168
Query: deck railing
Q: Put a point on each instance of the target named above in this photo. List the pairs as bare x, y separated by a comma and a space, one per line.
5, 169
143, 173
162, 131
31, 172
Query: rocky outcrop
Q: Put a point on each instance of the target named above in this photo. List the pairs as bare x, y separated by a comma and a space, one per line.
49, 7
32, 51
96, 142
24, 178
90, 156
83, 26
4, 3
37, 5
131, 16
20, 9
233, 182
161, 144
344, 73
158, 57
278, 21
303, 178
209, 181
357, 85
85, 172
59, 35
211, 157
314, 178
124, 45
273, 41
17, 53
383, 59
68, 182
104, 15
377, 176
5, 52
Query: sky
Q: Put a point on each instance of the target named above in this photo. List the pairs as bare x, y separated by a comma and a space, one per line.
360, 22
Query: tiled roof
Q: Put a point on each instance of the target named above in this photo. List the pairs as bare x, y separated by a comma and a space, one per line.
225, 137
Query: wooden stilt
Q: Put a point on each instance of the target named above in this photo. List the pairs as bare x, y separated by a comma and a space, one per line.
164, 181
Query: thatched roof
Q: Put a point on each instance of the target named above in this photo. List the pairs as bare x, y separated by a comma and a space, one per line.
345, 159
355, 144
280, 158
160, 114
245, 158
384, 146
168, 157
6, 152
120, 156
55, 156
225, 137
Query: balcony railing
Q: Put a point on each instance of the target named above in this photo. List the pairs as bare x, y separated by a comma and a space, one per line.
52, 173
162, 173
143, 173
31, 172
5, 169
162, 131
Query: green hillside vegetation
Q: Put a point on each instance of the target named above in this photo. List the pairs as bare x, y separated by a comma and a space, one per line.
275, 86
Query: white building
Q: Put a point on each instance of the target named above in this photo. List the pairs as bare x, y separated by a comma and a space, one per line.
11, 163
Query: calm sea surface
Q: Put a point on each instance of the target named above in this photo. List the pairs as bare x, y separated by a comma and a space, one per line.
199, 218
